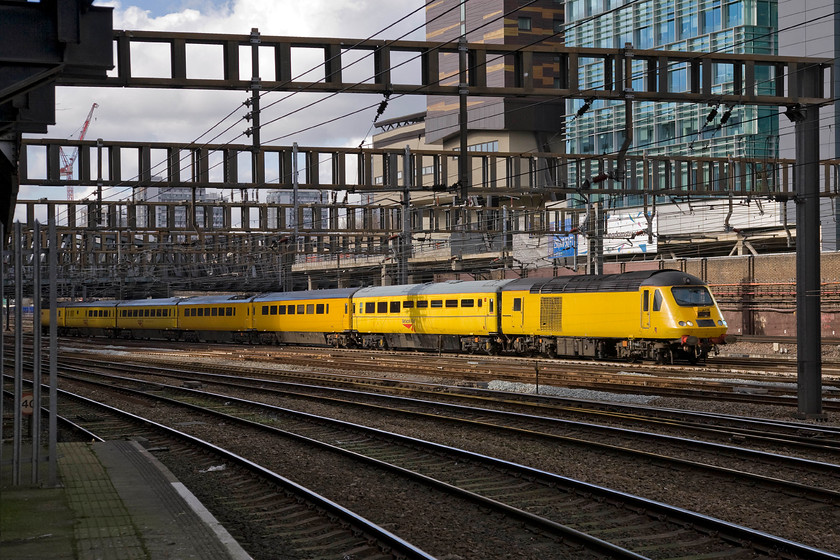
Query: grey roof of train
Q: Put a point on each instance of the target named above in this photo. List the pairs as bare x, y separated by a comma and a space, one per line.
150, 302
337, 293
99, 303
214, 299
626, 282
433, 288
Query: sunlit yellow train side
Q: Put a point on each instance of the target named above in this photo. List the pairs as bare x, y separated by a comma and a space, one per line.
662, 315
148, 318
313, 317
459, 316
96, 318
215, 318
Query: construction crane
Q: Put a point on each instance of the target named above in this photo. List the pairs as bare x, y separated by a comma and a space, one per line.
67, 161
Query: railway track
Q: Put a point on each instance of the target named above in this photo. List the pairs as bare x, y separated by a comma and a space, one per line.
728, 381
404, 459
791, 433
252, 492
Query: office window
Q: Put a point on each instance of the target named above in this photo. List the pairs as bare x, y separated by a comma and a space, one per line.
524, 23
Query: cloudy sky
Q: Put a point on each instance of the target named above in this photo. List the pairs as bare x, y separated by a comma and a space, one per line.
171, 115
186, 116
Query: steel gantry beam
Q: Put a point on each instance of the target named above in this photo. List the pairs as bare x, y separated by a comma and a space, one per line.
778, 85
168, 164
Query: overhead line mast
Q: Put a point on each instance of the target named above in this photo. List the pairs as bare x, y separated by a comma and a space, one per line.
67, 161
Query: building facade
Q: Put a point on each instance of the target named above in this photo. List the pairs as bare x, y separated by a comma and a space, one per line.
496, 124
702, 26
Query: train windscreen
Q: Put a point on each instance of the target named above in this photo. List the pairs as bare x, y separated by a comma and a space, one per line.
692, 296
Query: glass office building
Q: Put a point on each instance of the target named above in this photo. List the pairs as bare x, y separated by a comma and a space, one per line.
702, 26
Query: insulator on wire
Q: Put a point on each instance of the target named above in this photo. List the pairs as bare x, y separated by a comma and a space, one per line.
712, 114
725, 116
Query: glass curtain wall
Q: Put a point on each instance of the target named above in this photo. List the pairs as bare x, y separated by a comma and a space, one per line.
677, 129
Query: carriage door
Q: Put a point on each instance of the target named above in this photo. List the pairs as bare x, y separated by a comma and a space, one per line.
518, 312
645, 309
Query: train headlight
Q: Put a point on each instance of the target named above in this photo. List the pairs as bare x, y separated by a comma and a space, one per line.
721, 322
689, 324
682, 323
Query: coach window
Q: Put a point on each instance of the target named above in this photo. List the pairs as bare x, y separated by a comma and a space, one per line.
319, 309
274, 310
422, 304
452, 303
395, 307
370, 307
213, 312
229, 312
310, 308
467, 303
281, 309
657, 300
291, 310
300, 309
382, 307
645, 300
517, 304
408, 305
437, 303
480, 302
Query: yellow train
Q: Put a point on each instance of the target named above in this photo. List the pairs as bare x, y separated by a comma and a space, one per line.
661, 315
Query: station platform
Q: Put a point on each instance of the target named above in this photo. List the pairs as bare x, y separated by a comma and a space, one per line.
115, 501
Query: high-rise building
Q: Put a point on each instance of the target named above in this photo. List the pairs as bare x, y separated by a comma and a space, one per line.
686, 129
497, 124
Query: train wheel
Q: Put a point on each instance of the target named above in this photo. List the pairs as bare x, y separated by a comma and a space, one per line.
692, 356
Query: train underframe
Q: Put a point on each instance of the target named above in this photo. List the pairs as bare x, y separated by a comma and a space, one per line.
688, 348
